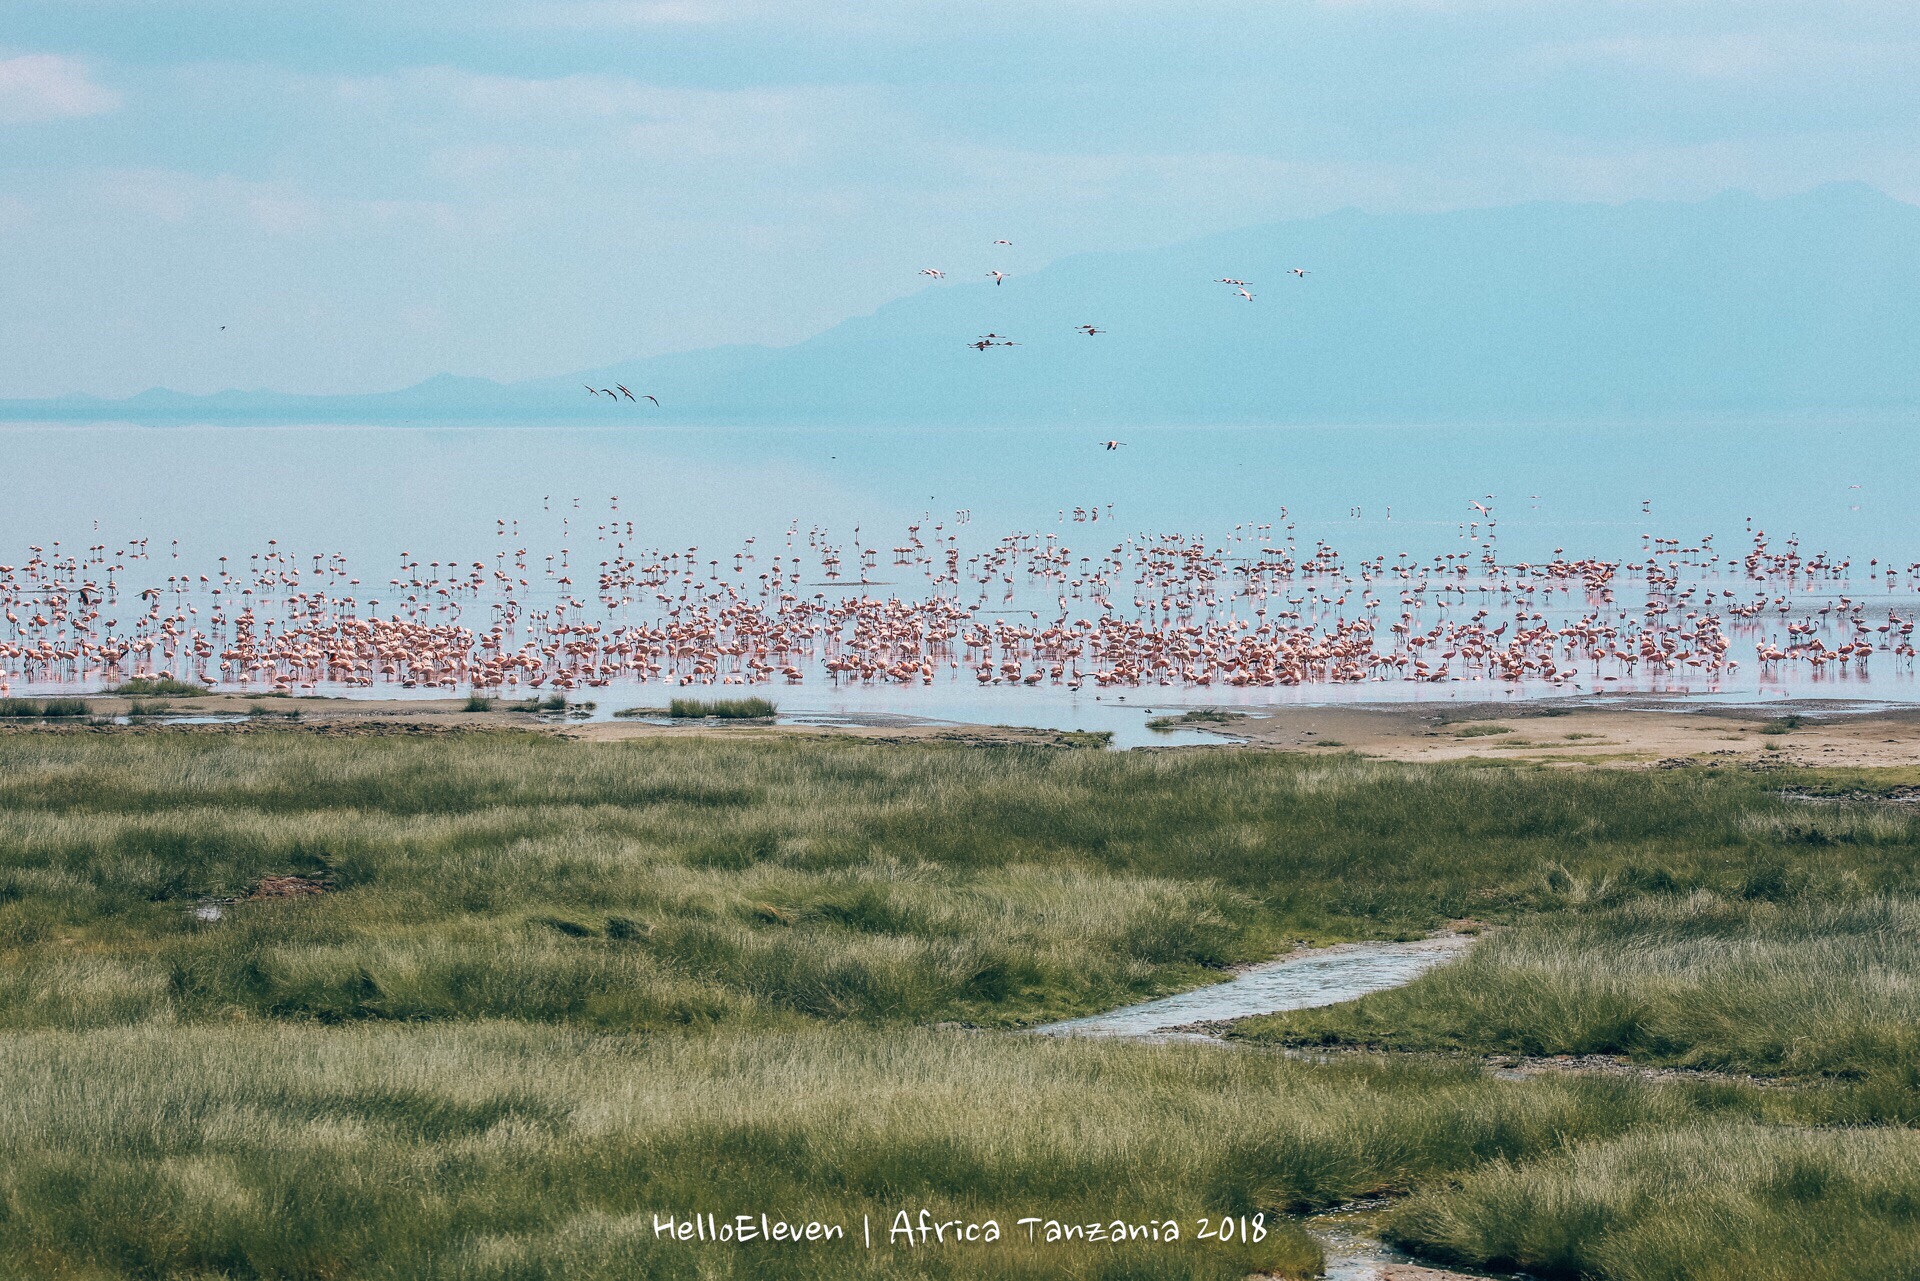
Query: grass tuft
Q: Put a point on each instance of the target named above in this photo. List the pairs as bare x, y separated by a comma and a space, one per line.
15, 708
158, 685
1199, 716
732, 709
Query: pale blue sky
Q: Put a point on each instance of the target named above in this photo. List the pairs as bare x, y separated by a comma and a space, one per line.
369, 193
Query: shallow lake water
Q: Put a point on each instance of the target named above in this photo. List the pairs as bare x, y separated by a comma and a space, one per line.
350, 506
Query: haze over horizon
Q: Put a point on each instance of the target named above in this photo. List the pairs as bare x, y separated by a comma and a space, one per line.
1647, 309
366, 196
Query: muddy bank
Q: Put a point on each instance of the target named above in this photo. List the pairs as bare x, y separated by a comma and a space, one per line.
1640, 732
1636, 732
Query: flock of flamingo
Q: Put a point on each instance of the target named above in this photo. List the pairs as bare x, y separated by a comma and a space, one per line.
1257, 609
984, 342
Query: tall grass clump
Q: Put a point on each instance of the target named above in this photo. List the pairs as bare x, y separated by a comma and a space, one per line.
1720, 1200
732, 709
478, 702
158, 685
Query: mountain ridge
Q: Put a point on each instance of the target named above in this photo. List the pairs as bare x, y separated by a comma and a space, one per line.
1735, 304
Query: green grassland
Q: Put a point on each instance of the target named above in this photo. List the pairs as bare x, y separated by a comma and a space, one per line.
554, 988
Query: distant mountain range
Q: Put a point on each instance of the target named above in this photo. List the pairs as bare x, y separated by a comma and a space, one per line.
1730, 305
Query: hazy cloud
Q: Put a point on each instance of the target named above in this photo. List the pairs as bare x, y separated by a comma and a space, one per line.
375, 193
45, 86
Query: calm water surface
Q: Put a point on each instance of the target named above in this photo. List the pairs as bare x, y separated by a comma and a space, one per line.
439, 494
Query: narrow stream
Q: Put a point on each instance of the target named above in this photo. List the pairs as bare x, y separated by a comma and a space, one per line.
1323, 976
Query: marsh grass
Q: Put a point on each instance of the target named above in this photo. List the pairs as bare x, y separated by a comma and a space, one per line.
25, 708
722, 708
505, 1151
1099, 739
1766, 982
1481, 731
144, 685
477, 702
772, 881
1724, 1200
557, 987
1198, 716
551, 703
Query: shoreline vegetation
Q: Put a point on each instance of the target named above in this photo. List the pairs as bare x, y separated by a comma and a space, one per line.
1198, 716
476, 1004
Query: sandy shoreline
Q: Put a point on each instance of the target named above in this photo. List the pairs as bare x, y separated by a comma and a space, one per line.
1641, 732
